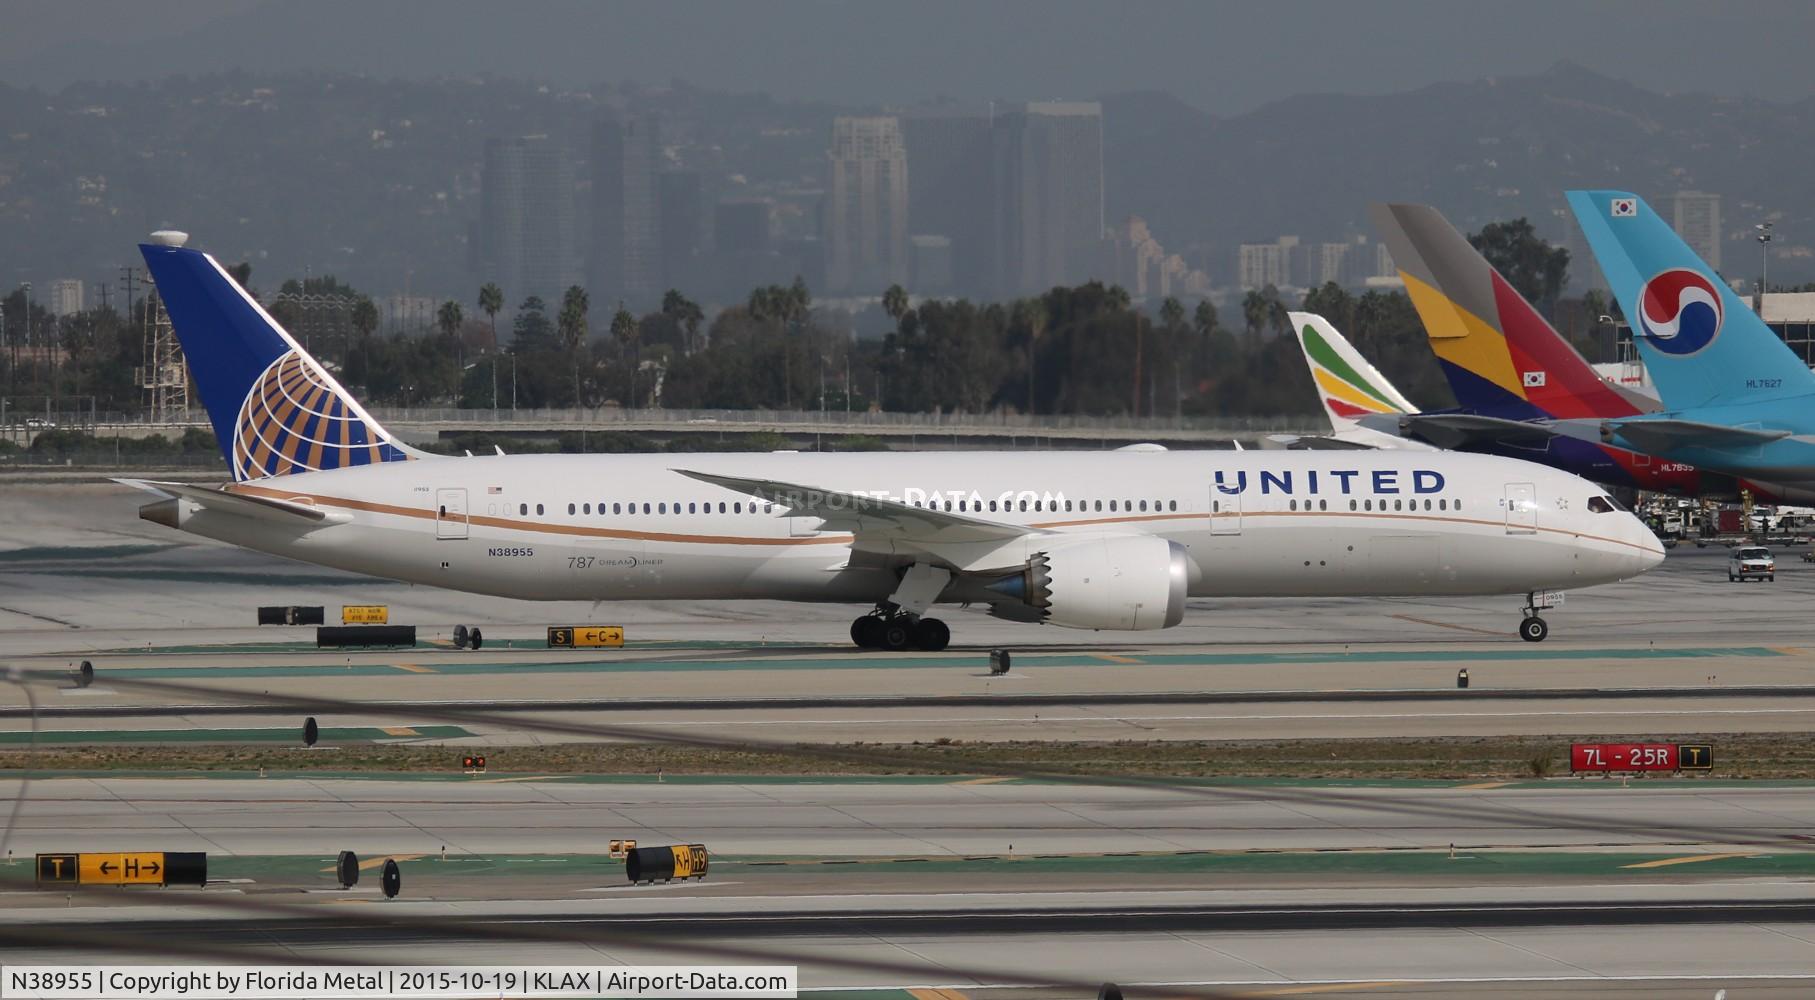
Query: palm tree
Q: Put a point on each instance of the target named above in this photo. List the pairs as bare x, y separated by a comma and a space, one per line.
571, 322
1172, 314
684, 313
1254, 311
491, 299
448, 318
1204, 319
572, 326
1031, 315
895, 303
624, 331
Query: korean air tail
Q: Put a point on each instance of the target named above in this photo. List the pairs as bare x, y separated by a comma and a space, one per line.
1701, 343
275, 410
1499, 353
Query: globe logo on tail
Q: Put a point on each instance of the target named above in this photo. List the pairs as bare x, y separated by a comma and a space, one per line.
1680, 311
293, 420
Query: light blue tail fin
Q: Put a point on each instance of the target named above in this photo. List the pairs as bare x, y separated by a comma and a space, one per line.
1702, 344
275, 410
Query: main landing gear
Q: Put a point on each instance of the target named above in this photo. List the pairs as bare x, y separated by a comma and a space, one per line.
898, 622
882, 629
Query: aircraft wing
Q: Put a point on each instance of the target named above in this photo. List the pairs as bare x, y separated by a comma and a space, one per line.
1457, 430
241, 504
863, 515
1664, 434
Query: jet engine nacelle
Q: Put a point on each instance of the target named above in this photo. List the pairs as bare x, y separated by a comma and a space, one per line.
1115, 582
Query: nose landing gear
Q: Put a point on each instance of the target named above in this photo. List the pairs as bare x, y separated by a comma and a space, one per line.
1533, 628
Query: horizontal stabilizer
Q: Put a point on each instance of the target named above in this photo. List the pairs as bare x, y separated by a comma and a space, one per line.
290, 512
1457, 430
1665, 434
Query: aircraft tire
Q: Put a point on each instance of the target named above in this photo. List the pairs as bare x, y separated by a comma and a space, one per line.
897, 634
460, 636
475, 638
931, 635
1534, 629
866, 632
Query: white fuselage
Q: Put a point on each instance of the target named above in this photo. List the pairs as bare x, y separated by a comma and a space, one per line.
562, 527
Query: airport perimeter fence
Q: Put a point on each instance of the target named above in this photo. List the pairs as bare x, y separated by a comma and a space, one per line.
20, 428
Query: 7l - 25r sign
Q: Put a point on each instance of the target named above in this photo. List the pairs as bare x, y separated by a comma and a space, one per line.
1640, 757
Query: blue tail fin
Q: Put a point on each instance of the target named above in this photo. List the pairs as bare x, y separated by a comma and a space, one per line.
275, 410
1703, 345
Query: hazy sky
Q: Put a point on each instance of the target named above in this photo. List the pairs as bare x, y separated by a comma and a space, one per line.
1223, 57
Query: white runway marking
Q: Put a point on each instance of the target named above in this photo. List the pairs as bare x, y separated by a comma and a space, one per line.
1233, 718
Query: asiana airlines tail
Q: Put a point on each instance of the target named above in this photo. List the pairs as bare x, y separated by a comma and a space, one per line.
1090, 540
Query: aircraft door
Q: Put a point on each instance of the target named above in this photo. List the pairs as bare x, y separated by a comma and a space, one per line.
1521, 509
450, 513
1225, 512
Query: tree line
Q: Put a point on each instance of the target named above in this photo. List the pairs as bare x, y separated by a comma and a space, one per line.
1079, 350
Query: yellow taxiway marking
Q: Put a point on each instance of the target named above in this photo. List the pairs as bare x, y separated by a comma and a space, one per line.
1667, 862
982, 781
1785, 650
414, 668
399, 731
1482, 786
1294, 991
371, 863
524, 777
1113, 658
1460, 628
937, 995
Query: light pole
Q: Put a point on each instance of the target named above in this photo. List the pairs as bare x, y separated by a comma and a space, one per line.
1764, 263
31, 339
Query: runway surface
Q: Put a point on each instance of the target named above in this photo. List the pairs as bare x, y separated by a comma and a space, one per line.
975, 884
914, 816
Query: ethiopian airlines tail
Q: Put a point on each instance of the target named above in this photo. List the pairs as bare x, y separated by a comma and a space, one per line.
1500, 355
1701, 343
1347, 384
1349, 388
275, 410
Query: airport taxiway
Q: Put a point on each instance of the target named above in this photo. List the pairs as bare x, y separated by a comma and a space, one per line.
1559, 888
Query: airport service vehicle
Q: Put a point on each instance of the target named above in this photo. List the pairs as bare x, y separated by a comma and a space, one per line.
1736, 399
1091, 540
1512, 373
1751, 561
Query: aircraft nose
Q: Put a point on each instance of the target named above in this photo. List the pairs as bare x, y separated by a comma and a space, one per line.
1651, 551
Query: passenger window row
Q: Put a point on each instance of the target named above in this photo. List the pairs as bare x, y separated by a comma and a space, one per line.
622, 508
1047, 506
1400, 504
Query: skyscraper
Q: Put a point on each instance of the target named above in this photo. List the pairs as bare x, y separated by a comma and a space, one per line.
66, 296
526, 224
1698, 223
866, 209
948, 156
1047, 186
1260, 265
626, 225
682, 232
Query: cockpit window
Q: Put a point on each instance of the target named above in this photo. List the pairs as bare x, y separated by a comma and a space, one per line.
1601, 505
